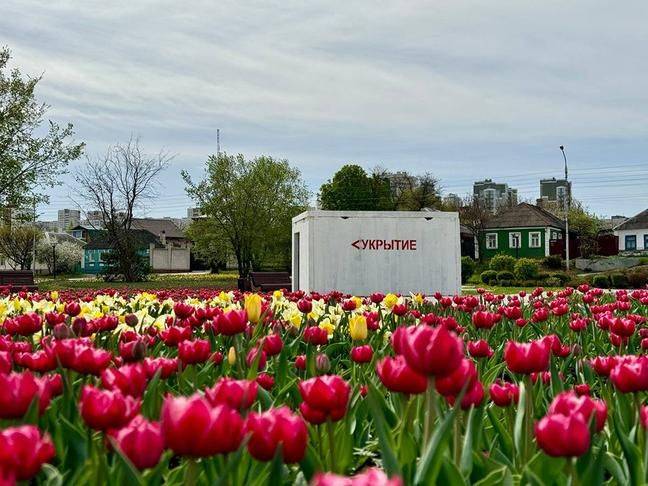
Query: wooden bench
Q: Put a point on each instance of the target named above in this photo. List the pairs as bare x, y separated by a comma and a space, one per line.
269, 281
16, 280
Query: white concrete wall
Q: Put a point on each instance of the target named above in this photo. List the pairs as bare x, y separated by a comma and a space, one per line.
639, 233
170, 259
329, 261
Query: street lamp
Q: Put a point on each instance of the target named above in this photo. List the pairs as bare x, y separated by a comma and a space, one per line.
54, 258
567, 204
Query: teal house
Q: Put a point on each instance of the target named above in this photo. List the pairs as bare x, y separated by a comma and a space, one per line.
93, 261
523, 231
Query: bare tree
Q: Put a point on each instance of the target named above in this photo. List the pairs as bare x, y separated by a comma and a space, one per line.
17, 245
118, 184
474, 215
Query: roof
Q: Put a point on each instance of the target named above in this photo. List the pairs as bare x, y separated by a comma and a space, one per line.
157, 226
101, 242
638, 221
524, 215
59, 237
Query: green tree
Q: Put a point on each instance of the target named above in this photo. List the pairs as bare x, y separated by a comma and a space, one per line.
29, 161
352, 189
209, 243
423, 192
252, 203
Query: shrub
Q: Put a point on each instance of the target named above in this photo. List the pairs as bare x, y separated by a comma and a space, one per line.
552, 282
643, 261
619, 281
638, 278
601, 281
526, 269
505, 283
467, 268
502, 262
488, 276
505, 276
553, 261
563, 278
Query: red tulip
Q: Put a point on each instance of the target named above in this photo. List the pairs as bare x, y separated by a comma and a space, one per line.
325, 397
5, 361
130, 379
527, 358
432, 351
563, 435
603, 365
19, 391
369, 477
23, 451
269, 430
238, 394
480, 349
315, 335
23, 325
265, 380
174, 335
503, 393
182, 310
106, 409
397, 376
305, 306
253, 355
231, 322
362, 354
462, 377
167, 366
643, 416
582, 389
133, 350
193, 352
569, 403
300, 362
141, 441
272, 344
399, 309
72, 309
630, 374
193, 427
472, 398
484, 320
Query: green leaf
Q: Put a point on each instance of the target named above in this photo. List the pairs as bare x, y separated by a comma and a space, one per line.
611, 465
430, 462
384, 437
502, 435
630, 452
53, 476
474, 416
499, 477
450, 475
132, 475
518, 428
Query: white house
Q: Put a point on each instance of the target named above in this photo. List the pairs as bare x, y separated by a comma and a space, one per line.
633, 234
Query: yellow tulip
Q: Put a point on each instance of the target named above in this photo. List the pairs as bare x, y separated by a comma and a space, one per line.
327, 326
54, 295
253, 307
277, 294
231, 356
358, 327
295, 319
419, 299
390, 300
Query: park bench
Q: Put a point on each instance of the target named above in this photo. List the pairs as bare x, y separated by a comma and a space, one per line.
269, 281
16, 280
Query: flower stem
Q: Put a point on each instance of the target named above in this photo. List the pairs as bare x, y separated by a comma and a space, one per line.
331, 433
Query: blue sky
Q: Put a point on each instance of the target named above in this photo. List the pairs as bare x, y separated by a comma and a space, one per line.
463, 89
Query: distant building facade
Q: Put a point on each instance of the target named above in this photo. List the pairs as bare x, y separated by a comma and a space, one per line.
195, 213
495, 195
452, 200
555, 190
68, 218
633, 234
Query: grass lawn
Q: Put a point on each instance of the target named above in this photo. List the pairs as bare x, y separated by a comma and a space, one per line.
471, 289
225, 280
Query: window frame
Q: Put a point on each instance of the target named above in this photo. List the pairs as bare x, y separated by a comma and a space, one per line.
489, 247
539, 235
625, 240
645, 241
519, 240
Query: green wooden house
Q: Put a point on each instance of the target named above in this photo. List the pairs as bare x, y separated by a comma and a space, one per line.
524, 230
99, 245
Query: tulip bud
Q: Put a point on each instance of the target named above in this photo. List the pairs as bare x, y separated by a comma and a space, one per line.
62, 331
322, 363
131, 320
231, 356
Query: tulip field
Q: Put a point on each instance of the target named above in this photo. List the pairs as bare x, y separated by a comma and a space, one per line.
206, 387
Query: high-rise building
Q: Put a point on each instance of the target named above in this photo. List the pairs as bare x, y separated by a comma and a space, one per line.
452, 200
68, 218
554, 190
195, 213
495, 194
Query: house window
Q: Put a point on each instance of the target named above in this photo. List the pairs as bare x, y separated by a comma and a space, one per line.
535, 239
491, 241
515, 240
631, 242
91, 257
646, 242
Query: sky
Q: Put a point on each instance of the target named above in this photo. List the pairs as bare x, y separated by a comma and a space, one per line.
465, 90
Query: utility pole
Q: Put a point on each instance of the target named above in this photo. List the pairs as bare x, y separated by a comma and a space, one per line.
567, 207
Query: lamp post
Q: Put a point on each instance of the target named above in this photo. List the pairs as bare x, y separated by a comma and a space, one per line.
54, 259
566, 204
